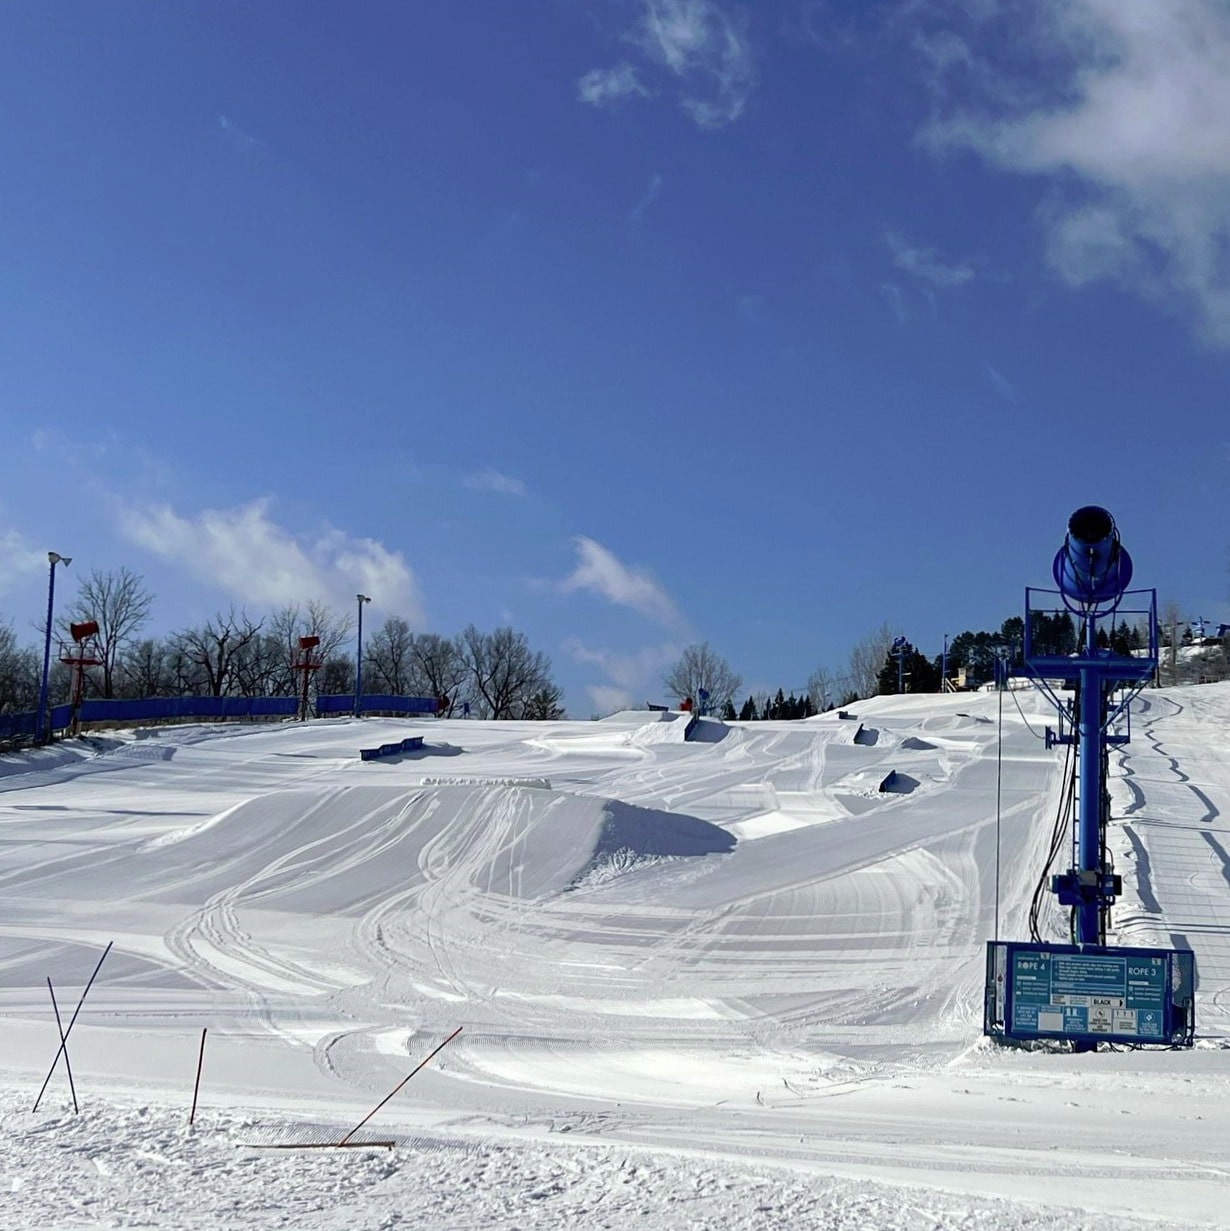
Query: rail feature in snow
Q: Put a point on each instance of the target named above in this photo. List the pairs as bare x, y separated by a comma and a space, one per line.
412, 743
1086, 992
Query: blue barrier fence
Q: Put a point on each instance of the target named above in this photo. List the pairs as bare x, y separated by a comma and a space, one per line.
150, 709
376, 703
155, 709
22, 726
163, 709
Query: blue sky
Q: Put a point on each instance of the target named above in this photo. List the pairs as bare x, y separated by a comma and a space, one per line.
630, 323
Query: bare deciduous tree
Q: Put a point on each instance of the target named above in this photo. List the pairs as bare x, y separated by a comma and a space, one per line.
504, 673
285, 627
867, 659
822, 689
1170, 619
388, 662
120, 603
701, 668
441, 668
19, 673
142, 670
218, 648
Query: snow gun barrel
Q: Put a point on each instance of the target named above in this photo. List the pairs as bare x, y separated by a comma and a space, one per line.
1092, 567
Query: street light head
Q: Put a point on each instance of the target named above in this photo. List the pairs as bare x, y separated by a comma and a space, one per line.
363, 598
54, 558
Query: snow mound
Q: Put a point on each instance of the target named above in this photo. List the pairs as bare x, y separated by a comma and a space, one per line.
334, 851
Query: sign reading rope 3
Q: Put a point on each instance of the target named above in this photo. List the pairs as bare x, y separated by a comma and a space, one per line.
1090, 993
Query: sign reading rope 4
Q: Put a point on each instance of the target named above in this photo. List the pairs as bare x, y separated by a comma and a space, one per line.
1090, 994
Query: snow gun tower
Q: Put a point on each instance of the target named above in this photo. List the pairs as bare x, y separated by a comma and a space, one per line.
1085, 992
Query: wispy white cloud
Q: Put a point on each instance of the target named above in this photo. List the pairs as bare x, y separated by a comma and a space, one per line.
604, 87
752, 308
648, 197
1122, 107
1000, 383
706, 47
925, 264
632, 678
702, 44
250, 558
19, 560
601, 573
491, 480
236, 138
896, 300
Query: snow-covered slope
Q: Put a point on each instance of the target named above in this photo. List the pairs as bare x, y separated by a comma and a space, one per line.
698, 960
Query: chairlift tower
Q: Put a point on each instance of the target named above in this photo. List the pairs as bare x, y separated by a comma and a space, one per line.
1084, 991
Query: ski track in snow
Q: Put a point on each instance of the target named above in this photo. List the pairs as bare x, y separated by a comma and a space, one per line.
726, 983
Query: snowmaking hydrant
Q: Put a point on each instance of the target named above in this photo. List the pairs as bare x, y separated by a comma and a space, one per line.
1085, 991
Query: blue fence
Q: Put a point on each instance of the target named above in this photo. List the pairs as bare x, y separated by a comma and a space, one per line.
161, 709
150, 709
376, 703
165, 709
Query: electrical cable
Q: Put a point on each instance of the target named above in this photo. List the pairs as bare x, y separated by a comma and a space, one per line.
1062, 819
1024, 719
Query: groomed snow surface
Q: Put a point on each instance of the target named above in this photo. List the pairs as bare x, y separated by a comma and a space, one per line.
728, 982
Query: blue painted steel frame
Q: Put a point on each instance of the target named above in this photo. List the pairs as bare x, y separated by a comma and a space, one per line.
1089, 888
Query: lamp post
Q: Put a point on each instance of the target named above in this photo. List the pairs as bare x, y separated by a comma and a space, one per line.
53, 558
944, 666
358, 661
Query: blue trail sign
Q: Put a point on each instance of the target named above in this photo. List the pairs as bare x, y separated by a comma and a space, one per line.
1090, 994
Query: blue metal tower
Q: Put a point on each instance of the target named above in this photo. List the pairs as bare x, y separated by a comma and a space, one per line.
1084, 991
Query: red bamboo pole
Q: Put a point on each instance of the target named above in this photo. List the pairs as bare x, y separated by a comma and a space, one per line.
196, 1089
395, 1089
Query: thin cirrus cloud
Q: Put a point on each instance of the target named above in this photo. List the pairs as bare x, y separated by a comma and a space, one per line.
236, 138
492, 480
250, 558
926, 264
704, 47
631, 678
1121, 107
606, 87
18, 560
599, 572
1000, 383
652, 190
896, 301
